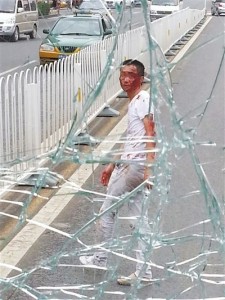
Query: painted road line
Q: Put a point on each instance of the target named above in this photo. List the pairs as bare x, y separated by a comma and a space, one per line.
18, 67
23, 241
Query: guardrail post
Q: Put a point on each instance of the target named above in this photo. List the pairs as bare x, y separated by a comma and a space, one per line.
107, 110
78, 92
32, 121
32, 130
81, 137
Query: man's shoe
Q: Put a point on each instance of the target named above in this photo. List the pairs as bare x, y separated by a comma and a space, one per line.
92, 262
132, 279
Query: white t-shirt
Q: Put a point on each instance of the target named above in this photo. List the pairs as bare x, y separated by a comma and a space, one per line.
135, 141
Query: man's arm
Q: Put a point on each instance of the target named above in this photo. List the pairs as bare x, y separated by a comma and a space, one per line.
150, 145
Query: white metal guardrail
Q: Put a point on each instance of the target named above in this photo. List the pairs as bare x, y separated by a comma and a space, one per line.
37, 107
175, 26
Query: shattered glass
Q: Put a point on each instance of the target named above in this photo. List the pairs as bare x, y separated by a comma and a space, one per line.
47, 225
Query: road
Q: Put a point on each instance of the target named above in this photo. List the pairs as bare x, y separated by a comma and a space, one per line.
188, 248
24, 52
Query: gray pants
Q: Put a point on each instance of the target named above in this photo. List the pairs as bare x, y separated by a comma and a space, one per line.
124, 179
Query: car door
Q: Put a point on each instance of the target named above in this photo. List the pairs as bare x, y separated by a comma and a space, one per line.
27, 20
33, 14
20, 15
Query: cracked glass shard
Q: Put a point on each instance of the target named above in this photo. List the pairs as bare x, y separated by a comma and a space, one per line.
52, 217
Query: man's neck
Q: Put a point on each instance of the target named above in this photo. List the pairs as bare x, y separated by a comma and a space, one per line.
132, 94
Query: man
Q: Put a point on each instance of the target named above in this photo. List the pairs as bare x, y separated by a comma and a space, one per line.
133, 170
54, 3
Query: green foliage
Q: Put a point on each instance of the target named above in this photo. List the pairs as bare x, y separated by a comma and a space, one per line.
43, 8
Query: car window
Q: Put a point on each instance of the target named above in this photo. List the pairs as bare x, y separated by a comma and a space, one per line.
26, 5
7, 6
19, 5
33, 5
77, 26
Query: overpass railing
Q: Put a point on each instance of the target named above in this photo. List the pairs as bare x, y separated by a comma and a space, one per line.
38, 106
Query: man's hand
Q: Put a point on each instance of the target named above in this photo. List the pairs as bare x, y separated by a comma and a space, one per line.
147, 174
106, 174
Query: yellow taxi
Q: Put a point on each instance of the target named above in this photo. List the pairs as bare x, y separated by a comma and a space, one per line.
72, 33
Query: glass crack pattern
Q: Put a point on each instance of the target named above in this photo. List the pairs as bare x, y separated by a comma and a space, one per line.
47, 229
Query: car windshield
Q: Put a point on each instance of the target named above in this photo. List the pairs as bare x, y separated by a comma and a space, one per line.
165, 2
77, 26
7, 6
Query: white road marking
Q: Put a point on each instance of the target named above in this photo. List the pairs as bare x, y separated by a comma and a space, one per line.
18, 67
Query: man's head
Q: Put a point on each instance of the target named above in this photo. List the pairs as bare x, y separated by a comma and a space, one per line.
139, 65
131, 75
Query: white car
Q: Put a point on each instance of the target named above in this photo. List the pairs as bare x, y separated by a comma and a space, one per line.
114, 3
18, 17
161, 8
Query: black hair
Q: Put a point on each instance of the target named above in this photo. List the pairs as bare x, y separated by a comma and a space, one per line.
139, 65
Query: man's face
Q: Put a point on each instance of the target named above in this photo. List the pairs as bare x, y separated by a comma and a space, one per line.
129, 78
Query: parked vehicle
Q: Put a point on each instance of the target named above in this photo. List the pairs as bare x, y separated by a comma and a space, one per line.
72, 33
161, 8
96, 5
18, 17
114, 3
218, 7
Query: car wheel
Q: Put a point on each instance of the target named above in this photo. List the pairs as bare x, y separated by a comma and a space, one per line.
16, 35
33, 33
